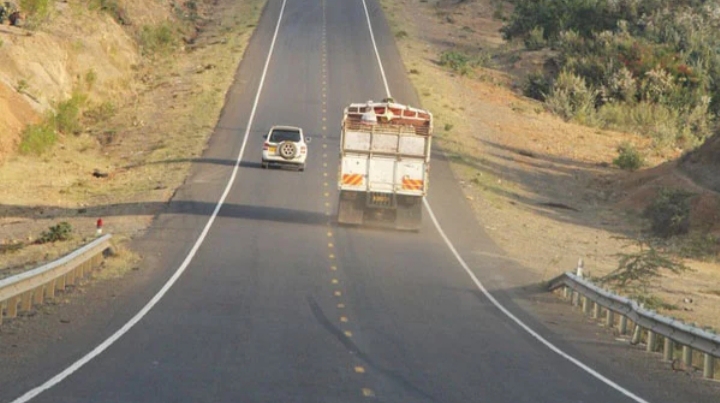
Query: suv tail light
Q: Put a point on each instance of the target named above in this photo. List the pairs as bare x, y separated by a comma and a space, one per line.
266, 146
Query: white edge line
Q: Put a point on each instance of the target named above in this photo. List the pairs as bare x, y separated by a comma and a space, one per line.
479, 284
160, 294
377, 53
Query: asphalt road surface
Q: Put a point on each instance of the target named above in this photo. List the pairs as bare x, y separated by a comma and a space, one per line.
279, 304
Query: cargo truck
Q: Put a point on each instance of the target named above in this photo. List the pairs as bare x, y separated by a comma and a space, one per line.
384, 164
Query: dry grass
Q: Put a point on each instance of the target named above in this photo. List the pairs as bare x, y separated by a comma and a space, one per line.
134, 147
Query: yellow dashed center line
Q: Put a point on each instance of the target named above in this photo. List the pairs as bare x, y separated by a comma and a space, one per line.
334, 281
347, 333
337, 294
343, 319
341, 306
360, 370
368, 392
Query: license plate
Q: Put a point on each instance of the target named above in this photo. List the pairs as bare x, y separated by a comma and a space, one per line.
272, 149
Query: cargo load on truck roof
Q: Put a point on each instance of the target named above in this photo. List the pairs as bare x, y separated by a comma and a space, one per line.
388, 114
384, 163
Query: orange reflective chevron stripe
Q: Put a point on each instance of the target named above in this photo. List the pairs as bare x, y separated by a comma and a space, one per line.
352, 179
412, 184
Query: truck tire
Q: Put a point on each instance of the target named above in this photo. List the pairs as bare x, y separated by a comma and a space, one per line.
350, 211
408, 216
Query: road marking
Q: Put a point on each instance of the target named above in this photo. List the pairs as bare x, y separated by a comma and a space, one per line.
330, 245
337, 294
341, 306
477, 282
333, 268
348, 334
368, 392
343, 319
186, 262
334, 281
329, 234
360, 370
332, 256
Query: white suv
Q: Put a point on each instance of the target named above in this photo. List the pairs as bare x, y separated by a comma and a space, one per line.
285, 145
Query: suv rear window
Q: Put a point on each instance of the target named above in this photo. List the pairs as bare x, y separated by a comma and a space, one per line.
278, 136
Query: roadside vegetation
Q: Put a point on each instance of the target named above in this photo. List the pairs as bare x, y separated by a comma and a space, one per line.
651, 67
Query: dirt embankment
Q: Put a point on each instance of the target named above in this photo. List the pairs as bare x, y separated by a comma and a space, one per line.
156, 110
544, 189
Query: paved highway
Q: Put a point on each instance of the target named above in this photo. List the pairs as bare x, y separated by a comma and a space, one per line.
278, 304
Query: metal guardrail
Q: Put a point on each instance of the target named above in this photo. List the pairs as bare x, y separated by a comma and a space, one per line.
595, 299
20, 292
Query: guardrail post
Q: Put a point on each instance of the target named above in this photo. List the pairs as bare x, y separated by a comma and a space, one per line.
50, 290
623, 324
60, 283
596, 310
26, 303
575, 298
637, 333
11, 308
566, 292
687, 356
586, 304
609, 318
650, 347
39, 296
709, 366
668, 347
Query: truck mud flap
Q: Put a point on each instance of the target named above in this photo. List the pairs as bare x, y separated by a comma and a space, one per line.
350, 209
409, 216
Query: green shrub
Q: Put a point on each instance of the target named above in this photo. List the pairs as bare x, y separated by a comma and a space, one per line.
458, 62
571, 98
669, 213
639, 269
629, 158
38, 138
401, 34
160, 39
535, 39
67, 118
36, 8
59, 232
100, 113
536, 86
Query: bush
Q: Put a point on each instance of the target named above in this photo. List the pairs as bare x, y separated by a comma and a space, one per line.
536, 86
59, 232
160, 39
629, 157
67, 119
669, 213
100, 113
458, 62
38, 138
639, 269
535, 39
571, 98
